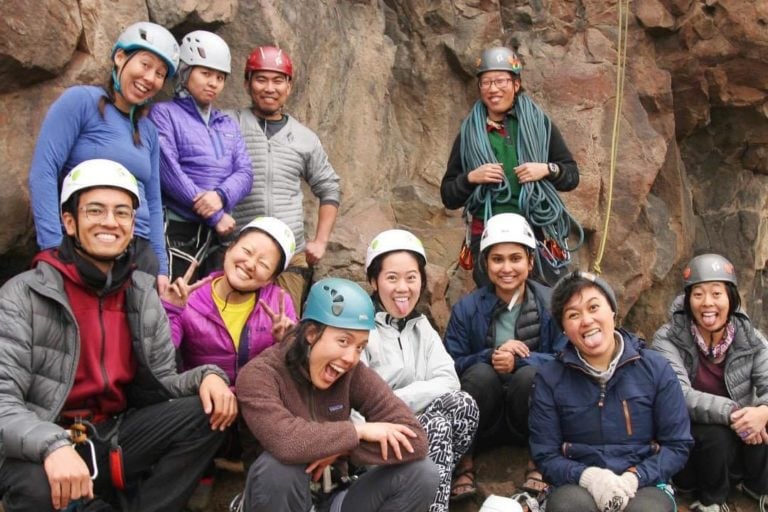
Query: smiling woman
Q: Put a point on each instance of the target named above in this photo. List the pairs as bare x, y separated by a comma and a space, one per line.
296, 400
499, 335
89, 122
721, 361
409, 355
608, 421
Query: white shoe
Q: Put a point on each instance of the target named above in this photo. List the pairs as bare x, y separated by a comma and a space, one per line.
762, 499
696, 505
236, 505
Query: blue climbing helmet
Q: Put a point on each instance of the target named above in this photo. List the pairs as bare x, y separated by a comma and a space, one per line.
152, 37
339, 303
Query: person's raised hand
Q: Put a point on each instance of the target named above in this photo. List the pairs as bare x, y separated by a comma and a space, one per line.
179, 291
280, 322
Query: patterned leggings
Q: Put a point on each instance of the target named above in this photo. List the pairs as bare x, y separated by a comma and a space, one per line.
450, 422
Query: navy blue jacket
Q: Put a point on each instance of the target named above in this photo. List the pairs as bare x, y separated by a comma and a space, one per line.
470, 338
642, 422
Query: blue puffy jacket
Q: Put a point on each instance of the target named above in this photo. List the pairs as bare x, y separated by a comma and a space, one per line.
196, 158
470, 336
639, 419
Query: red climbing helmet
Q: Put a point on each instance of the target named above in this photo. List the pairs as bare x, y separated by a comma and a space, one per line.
268, 58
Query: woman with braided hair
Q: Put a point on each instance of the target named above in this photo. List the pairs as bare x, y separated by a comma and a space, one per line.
88, 122
505, 142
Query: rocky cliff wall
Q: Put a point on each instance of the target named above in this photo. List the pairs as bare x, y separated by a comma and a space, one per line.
386, 83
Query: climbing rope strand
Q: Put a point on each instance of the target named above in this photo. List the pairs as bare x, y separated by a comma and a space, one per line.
539, 201
475, 151
621, 62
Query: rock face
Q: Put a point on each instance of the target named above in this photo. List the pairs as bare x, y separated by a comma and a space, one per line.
386, 85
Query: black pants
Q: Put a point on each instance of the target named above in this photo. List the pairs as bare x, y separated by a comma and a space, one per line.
503, 401
718, 459
166, 447
188, 241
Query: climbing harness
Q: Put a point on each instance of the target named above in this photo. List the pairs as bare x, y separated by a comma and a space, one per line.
192, 251
82, 430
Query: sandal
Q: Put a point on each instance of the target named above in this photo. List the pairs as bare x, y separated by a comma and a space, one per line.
463, 490
534, 483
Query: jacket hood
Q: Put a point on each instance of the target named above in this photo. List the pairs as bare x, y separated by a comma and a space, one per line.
79, 270
188, 103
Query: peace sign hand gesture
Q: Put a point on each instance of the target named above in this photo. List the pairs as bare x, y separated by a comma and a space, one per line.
179, 291
280, 322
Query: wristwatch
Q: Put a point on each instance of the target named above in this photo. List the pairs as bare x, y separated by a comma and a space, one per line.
554, 170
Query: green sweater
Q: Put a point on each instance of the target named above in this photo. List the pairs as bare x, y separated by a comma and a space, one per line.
505, 149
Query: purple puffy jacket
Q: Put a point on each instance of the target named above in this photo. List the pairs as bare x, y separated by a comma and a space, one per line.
196, 158
201, 337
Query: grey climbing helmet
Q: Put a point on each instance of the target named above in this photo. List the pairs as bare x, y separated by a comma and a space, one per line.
707, 268
498, 58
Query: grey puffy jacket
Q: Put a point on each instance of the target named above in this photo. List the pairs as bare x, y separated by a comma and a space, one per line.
40, 349
280, 164
746, 366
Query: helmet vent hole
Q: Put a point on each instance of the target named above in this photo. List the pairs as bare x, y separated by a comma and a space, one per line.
337, 308
143, 34
201, 51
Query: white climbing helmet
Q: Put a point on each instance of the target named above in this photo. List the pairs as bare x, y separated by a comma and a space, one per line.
99, 173
393, 240
279, 231
507, 227
494, 503
146, 35
203, 48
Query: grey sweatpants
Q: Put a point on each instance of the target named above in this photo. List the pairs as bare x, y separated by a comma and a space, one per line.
272, 486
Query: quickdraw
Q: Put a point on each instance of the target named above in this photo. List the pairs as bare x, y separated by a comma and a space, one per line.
79, 434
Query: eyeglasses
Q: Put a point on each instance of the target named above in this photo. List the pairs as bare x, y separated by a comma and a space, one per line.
500, 83
96, 212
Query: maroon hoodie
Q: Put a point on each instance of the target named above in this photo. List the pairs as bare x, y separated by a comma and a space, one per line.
106, 362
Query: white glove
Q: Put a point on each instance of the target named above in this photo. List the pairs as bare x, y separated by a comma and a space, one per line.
606, 489
629, 482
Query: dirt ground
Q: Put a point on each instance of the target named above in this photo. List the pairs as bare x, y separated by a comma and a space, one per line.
498, 472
